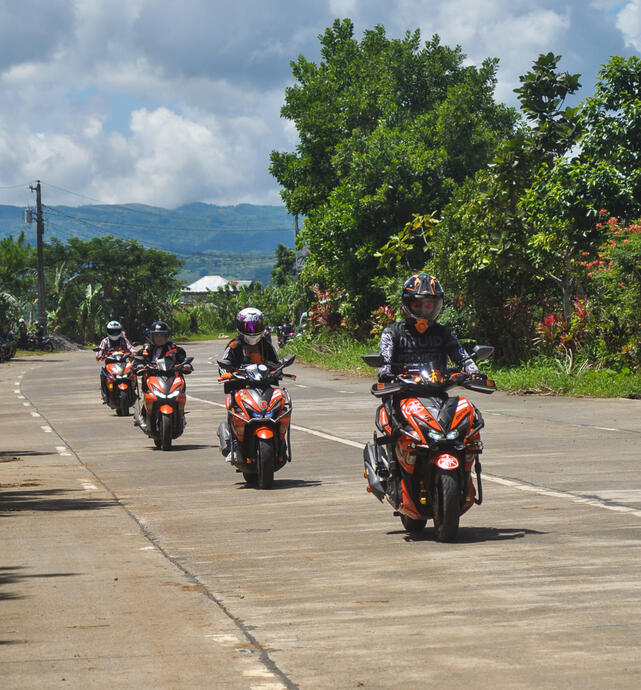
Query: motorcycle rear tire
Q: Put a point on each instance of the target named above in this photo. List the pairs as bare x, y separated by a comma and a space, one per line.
448, 507
166, 432
47, 347
413, 526
265, 463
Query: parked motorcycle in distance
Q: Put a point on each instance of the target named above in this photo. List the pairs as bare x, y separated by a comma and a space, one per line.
436, 442
8, 346
256, 435
37, 342
121, 382
285, 332
163, 400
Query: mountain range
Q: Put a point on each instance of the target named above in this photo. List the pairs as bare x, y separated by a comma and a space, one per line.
232, 241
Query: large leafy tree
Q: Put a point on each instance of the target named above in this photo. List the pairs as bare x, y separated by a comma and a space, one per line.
386, 127
486, 248
108, 278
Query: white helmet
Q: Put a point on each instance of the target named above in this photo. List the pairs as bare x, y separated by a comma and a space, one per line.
114, 330
250, 323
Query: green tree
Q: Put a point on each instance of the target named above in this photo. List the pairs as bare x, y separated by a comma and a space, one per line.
386, 127
108, 278
284, 265
486, 248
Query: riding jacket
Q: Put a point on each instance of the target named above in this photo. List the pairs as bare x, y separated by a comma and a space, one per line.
153, 353
108, 345
403, 346
239, 353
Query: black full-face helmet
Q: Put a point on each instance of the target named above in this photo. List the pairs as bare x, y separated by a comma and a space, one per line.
159, 333
422, 298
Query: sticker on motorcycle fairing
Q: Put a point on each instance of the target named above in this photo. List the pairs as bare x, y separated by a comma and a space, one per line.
447, 462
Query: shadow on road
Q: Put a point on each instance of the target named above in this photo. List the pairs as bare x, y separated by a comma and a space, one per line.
472, 535
20, 453
192, 446
283, 484
49, 499
13, 575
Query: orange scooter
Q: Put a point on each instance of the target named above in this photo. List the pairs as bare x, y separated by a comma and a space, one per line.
428, 445
162, 413
256, 436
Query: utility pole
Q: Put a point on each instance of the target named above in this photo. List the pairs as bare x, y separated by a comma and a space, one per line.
40, 229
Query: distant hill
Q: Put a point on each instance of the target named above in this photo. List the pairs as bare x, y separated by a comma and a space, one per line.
233, 241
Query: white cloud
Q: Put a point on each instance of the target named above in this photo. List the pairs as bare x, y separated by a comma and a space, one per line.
629, 23
163, 102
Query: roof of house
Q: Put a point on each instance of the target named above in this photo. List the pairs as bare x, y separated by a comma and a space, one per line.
213, 283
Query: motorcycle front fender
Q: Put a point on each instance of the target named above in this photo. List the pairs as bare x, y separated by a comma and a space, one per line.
264, 432
166, 409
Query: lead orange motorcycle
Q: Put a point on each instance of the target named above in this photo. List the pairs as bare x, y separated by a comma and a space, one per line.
435, 441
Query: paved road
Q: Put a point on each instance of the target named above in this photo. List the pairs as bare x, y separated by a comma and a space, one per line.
312, 584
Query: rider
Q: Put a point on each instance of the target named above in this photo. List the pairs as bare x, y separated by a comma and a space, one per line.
419, 342
252, 345
115, 340
22, 331
159, 347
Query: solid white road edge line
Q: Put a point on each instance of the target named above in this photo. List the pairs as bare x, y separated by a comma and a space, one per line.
512, 483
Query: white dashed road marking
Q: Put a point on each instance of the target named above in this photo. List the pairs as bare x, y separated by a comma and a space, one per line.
34, 414
46, 428
512, 483
63, 450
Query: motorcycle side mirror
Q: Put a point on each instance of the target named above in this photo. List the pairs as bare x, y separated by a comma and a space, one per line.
96, 349
189, 360
225, 364
288, 360
481, 352
373, 360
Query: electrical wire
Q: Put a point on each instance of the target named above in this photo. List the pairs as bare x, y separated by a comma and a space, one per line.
15, 186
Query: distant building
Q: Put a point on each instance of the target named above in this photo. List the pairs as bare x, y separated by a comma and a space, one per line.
207, 284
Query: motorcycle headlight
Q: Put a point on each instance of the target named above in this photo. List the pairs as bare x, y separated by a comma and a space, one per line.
451, 435
158, 392
436, 435
174, 394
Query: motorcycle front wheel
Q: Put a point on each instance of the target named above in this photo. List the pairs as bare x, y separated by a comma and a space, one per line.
411, 525
124, 405
166, 432
265, 464
448, 507
48, 346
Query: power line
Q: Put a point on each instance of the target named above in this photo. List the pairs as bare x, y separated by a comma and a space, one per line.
89, 223
147, 226
15, 186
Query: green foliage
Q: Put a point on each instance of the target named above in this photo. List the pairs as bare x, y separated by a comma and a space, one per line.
217, 313
92, 282
284, 265
386, 127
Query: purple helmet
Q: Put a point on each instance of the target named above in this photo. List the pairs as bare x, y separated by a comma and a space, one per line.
250, 323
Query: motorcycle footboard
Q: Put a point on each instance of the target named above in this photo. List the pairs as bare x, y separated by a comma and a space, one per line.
377, 484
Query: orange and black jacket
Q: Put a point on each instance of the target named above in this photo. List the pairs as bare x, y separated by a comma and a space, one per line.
151, 353
239, 353
403, 346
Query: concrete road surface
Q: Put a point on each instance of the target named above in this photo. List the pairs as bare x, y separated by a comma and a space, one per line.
125, 566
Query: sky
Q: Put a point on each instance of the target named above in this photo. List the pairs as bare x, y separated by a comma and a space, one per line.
166, 103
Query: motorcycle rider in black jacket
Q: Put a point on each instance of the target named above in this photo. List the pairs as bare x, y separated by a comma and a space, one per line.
419, 342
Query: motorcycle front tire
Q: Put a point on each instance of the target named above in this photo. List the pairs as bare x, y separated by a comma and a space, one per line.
166, 431
413, 526
124, 404
265, 463
448, 506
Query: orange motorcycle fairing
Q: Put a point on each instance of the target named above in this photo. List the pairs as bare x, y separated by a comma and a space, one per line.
412, 407
408, 507
405, 456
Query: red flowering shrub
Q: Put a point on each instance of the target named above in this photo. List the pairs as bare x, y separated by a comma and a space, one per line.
381, 318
